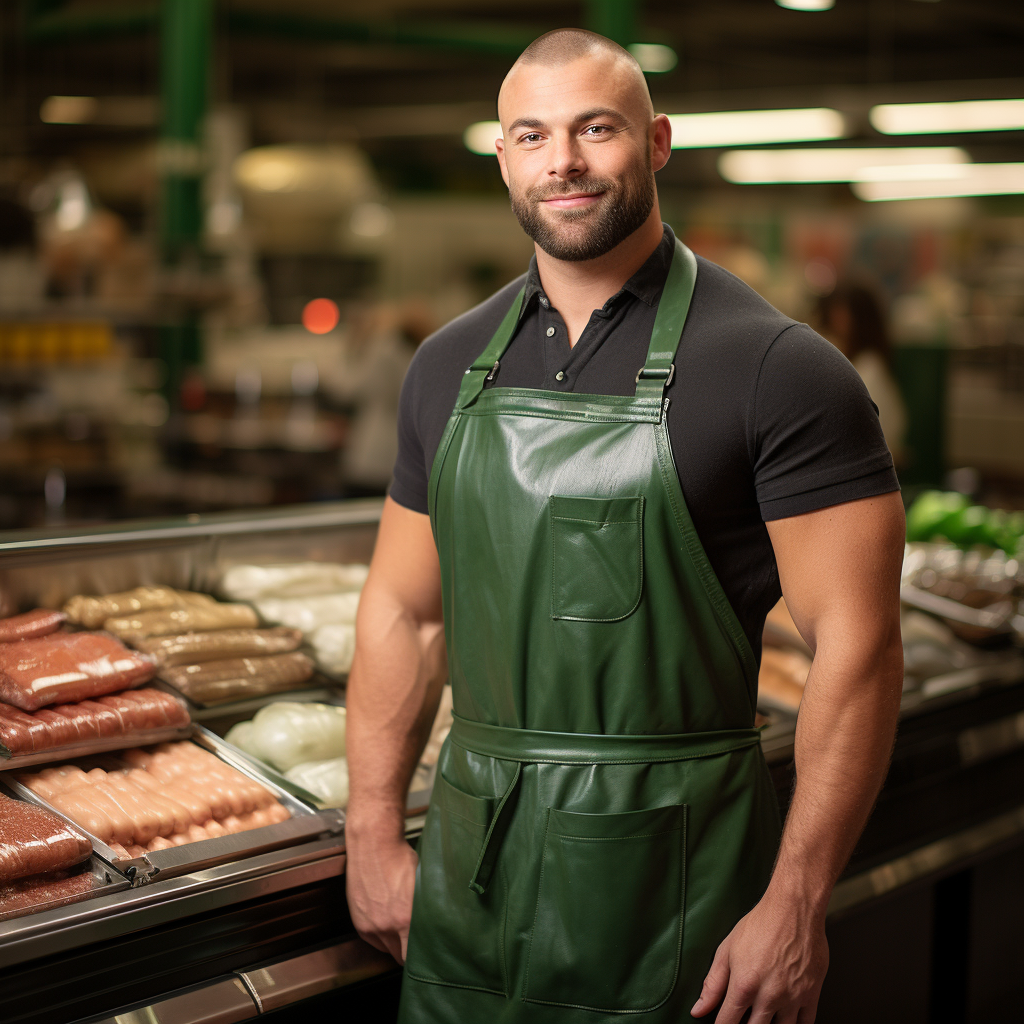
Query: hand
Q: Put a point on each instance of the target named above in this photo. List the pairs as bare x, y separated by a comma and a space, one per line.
772, 963
380, 880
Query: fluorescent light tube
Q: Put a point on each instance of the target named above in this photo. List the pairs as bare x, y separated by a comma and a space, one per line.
807, 5
978, 180
754, 127
960, 116
783, 166
654, 58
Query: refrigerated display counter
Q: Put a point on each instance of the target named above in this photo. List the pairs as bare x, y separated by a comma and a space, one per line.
924, 917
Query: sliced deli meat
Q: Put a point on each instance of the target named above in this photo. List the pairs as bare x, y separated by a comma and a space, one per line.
217, 644
34, 840
66, 667
28, 625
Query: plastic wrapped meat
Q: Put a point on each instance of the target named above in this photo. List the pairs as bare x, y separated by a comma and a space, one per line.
34, 841
92, 612
66, 667
308, 613
214, 682
29, 625
287, 733
164, 621
302, 579
128, 714
335, 646
188, 648
45, 892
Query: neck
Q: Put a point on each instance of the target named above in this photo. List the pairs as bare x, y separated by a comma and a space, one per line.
576, 289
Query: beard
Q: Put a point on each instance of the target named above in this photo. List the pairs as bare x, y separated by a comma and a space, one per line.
585, 234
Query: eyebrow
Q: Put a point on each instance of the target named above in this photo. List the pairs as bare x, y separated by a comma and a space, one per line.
587, 115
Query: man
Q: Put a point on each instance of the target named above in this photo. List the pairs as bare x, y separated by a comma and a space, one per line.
614, 501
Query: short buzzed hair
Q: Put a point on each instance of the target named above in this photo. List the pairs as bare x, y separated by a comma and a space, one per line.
564, 45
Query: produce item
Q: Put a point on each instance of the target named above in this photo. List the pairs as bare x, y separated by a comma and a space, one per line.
66, 667
782, 677
189, 648
191, 616
42, 892
170, 795
937, 515
28, 625
285, 734
334, 645
214, 682
308, 613
128, 714
92, 612
34, 841
303, 579
326, 780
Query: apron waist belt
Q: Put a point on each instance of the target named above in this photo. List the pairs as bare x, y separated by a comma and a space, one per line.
531, 746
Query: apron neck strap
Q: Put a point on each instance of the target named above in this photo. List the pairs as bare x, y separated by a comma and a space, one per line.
486, 364
657, 372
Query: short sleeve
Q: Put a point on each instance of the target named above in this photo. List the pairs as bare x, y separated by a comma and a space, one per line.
409, 483
815, 432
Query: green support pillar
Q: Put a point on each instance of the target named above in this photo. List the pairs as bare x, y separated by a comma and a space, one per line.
615, 19
186, 27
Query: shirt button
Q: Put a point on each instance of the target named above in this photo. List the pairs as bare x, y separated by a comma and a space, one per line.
550, 331
544, 302
560, 375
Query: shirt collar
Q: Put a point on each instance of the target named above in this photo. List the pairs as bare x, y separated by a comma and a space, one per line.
646, 284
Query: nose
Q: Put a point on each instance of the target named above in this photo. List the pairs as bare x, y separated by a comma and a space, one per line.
566, 155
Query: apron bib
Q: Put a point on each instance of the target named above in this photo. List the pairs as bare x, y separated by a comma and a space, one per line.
602, 813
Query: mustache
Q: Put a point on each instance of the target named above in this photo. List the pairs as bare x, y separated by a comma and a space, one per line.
556, 189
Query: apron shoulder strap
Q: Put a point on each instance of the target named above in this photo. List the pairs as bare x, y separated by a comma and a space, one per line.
657, 372
486, 364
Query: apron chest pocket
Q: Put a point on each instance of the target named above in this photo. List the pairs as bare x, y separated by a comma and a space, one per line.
456, 934
596, 557
608, 930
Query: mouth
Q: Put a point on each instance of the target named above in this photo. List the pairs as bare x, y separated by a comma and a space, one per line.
574, 201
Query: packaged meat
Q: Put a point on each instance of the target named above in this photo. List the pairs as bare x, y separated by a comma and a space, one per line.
214, 682
302, 579
285, 734
130, 714
307, 613
334, 645
44, 892
189, 648
326, 780
92, 612
181, 619
28, 625
34, 841
66, 667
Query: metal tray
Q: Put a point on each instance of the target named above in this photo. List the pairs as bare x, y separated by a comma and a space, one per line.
9, 761
105, 879
305, 823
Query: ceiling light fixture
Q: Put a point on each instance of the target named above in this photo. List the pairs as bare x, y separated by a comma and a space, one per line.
976, 180
807, 5
796, 166
479, 137
958, 116
654, 58
755, 127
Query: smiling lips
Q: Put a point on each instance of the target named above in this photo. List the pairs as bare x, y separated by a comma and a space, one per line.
574, 201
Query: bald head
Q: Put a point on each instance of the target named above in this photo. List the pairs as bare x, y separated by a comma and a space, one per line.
568, 45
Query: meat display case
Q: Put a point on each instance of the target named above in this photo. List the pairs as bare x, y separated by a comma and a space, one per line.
923, 922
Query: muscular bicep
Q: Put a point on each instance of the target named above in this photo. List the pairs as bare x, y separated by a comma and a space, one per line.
404, 572
840, 571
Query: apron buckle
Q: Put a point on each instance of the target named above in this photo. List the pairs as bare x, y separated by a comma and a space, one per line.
656, 373
494, 371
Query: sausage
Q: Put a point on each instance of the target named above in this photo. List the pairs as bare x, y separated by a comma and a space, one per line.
159, 844
28, 625
214, 829
147, 822
100, 796
198, 808
85, 813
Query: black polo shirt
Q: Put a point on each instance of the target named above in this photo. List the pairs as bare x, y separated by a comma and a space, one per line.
767, 420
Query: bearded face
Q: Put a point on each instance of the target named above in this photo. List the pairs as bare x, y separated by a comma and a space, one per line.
585, 233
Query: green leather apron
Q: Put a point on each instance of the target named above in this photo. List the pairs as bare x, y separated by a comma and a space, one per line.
602, 814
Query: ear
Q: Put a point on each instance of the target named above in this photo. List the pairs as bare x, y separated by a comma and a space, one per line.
661, 142
499, 145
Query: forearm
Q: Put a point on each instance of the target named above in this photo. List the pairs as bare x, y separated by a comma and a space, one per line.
844, 739
393, 692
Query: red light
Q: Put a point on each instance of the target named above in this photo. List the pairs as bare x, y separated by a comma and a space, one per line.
320, 316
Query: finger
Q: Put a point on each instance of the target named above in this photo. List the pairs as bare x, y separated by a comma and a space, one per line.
715, 984
808, 1013
375, 940
734, 1010
789, 1015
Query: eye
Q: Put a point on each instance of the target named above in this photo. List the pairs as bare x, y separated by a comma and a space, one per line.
531, 137
596, 130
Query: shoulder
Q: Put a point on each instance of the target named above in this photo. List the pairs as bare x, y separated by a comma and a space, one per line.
446, 353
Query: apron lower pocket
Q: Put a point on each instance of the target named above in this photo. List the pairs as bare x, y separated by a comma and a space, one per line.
608, 930
456, 937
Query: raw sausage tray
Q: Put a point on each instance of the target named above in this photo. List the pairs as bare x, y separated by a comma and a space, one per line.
9, 761
305, 822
